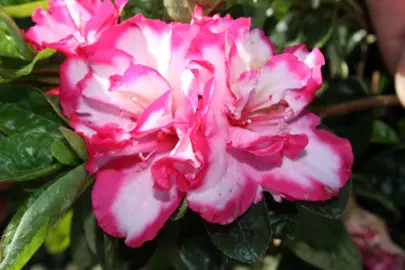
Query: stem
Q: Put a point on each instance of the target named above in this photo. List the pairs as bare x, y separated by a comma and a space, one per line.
357, 105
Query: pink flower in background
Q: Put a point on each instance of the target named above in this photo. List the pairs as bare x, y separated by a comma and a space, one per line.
206, 111
371, 238
71, 23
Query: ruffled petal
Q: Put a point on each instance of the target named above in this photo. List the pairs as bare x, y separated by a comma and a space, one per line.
320, 170
139, 86
250, 51
283, 73
314, 60
68, 24
127, 205
73, 70
217, 24
185, 165
227, 189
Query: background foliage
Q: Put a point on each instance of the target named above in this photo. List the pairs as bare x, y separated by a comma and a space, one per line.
50, 220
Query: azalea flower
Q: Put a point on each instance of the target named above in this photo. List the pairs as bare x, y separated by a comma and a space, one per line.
69, 24
207, 112
371, 238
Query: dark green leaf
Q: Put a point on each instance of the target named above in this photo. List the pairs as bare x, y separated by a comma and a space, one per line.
28, 229
324, 243
334, 208
247, 238
83, 233
61, 150
283, 225
385, 174
357, 128
282, 217
380, 204
26, 156
383, 133
118, 256
195, 256
318, 29
76, 142
401, 129
24, 108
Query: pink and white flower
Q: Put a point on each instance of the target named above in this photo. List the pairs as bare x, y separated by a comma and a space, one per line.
69, 24
206, 112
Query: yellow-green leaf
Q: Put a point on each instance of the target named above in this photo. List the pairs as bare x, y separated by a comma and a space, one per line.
58, 239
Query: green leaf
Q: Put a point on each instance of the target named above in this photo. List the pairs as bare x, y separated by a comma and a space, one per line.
283, 225
31, 126
381, 205
282, 218
247, 238
334, 208
12, 43
24, 10
29, 227
281, 7
76, 142
318, 29
83, 233
58, 239
26, 156
385, 174
61, 150
10, 69
324, 243
401, 128
383, 133
118, 256
198, 253
54, 103
24, 108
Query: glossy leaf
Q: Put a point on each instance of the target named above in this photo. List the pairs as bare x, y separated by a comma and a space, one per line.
283, 225
26, 156
12, 43
334, 208
324, 243
23, 108
76, 142
28, 229
247, 238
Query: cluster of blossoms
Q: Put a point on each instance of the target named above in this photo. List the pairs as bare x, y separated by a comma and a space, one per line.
207, 112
